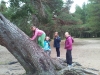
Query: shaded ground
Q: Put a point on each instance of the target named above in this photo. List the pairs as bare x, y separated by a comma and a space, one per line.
5, 59
85, 51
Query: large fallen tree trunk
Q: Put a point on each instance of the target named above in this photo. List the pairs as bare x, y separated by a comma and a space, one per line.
31, 56
27, 52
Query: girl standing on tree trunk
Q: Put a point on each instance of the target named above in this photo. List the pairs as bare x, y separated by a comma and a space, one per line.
57, 41
68, 46
40, 34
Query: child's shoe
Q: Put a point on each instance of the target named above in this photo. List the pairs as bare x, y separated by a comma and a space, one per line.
69, 67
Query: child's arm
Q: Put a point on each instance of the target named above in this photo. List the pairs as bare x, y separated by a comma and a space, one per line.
35, 35
69, 42
44, 43
58, 39
49, 46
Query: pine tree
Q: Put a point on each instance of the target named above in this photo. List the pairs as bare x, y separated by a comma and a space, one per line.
94, 15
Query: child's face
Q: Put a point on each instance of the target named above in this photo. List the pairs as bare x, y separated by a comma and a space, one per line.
47, 38
33, 28
56, 33
66, 35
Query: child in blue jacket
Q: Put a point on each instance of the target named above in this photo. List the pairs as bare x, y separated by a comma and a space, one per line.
57, 41
47, 48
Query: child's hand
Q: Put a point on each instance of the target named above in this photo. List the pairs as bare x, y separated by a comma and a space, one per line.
30, 38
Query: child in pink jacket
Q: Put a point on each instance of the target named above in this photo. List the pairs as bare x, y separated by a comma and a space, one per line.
40, 34
68, 46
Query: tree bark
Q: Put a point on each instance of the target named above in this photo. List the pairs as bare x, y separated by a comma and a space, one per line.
31, 56
27, 52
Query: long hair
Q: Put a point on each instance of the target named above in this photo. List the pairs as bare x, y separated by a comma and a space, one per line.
32, 28
56, 33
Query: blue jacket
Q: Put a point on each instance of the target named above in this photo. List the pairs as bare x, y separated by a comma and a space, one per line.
46, 45
57, 42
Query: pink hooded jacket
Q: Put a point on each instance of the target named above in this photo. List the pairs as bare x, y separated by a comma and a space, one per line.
68, 43
37, 33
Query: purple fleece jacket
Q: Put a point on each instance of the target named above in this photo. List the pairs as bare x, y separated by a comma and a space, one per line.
68, 43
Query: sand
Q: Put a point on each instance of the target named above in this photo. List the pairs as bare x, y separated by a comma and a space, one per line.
85, 51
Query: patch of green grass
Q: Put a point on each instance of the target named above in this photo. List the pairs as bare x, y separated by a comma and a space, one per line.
3, 63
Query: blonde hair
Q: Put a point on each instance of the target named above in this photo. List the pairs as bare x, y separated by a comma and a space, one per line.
67, 33
56, 32
47, 37
32, 27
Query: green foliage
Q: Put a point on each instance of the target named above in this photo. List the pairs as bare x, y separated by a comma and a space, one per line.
69, 17
89, 15
55, 5
81, 13
21, 13
83, 23
3, 7
94, 13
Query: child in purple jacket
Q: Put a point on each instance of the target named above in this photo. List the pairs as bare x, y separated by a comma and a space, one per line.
68, 46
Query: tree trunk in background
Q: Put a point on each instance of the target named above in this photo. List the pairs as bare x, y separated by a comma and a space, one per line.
27, 52
35, 20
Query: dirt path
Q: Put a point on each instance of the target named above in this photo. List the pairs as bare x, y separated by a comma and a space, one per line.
85, 51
